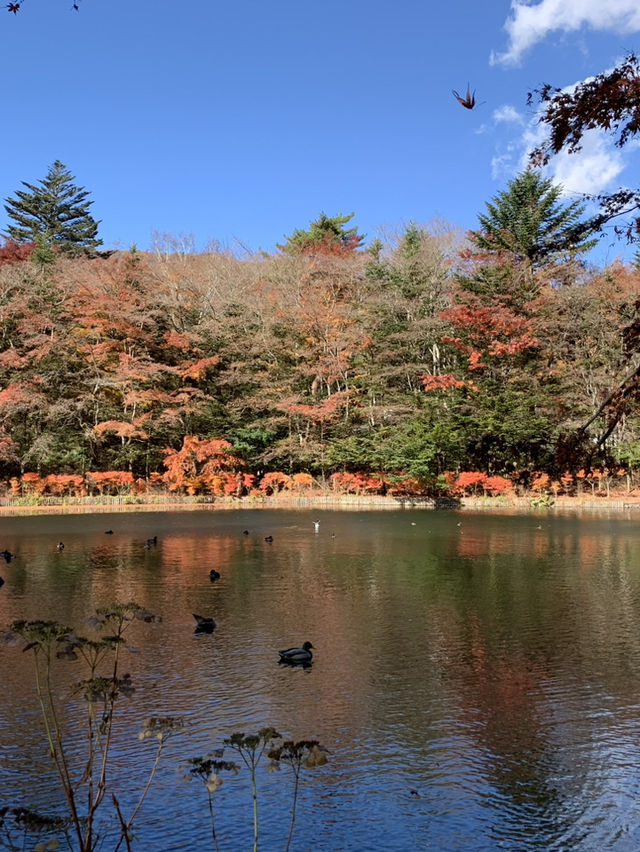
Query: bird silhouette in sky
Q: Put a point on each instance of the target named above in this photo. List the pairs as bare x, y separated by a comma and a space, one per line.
469, 100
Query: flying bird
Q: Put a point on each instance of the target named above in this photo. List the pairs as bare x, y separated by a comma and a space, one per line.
469, 101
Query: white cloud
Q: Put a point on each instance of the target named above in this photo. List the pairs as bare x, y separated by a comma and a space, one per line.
508, 115
530, 24
502, 167
592, 169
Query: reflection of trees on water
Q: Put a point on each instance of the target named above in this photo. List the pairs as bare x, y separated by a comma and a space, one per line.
475, 660
544, 638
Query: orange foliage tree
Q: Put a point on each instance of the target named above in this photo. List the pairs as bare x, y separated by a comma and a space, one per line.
109, 481
193, 467
485, 333
274, 482
358, 483
468, 482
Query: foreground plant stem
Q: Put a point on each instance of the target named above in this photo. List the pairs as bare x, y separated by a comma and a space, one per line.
296, 754
53, 733
46, 639
251, 748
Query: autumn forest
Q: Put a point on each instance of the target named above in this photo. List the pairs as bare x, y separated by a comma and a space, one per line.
423, 355
422, 362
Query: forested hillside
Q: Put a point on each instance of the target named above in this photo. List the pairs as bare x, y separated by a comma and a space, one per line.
426, 354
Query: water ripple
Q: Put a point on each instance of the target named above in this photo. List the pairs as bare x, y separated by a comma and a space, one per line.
477, 685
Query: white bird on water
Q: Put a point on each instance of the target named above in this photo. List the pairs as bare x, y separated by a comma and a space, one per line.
316, 526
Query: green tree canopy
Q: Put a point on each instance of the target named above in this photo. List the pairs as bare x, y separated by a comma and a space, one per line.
54, 213
326, 233
528, 221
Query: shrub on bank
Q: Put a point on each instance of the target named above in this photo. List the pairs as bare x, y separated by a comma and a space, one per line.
235, 483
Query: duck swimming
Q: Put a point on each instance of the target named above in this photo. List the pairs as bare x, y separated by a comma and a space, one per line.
7, 556
297, 656
205, 624
214, 575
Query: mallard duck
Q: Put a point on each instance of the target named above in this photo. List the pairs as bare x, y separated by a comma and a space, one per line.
268, 538
297, 656
60, 545
7, 555
214, 575
205, 624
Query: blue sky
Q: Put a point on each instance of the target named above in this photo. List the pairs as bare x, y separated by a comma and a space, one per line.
239, 122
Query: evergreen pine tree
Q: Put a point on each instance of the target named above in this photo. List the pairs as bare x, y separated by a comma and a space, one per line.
526, 230
527, 221
326, 232
54, 213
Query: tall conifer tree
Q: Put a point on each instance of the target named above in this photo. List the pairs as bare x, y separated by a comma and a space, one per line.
529, 221
325, 232
527, 229
54, 213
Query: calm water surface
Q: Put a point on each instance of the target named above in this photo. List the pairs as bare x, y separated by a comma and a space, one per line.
476, 677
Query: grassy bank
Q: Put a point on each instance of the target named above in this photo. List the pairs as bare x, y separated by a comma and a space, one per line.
172, 503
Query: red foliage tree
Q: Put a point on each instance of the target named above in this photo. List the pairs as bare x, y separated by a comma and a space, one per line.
442, 382
274, 482
198, 458
609, 101
358, 483
487, 332
469, 482
109, 481
12, 252
497, 485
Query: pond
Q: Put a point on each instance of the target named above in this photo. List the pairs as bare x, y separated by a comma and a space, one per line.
475, 679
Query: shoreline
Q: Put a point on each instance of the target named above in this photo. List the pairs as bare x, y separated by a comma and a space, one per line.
345, 502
